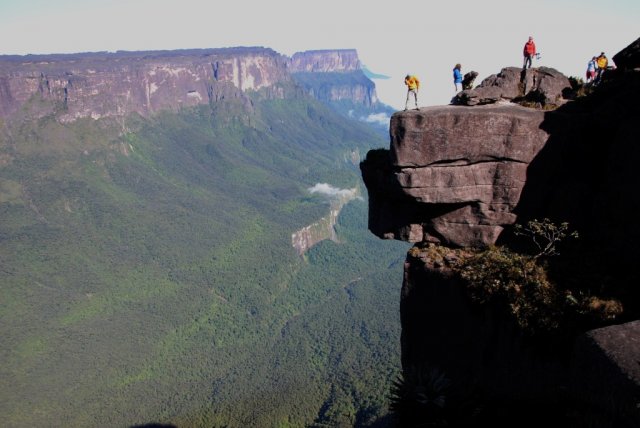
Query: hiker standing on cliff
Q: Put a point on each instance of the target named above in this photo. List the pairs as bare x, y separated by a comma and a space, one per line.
457, 77
528, 52
602, 62
591, 69
413, 84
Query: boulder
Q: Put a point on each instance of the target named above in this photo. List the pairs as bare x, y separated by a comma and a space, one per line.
606, 371
468, 79
504, 85
544, 85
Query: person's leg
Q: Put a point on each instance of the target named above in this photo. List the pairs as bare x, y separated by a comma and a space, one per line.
415, 94
406, 103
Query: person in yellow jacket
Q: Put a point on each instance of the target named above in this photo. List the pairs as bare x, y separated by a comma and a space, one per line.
602, 62
413, 84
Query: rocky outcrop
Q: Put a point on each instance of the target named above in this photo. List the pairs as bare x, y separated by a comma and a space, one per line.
590, 380
629, 57
453, 175
469, 78
302, 240
442, 329
116, 84
543, 84
460, 176
606, 363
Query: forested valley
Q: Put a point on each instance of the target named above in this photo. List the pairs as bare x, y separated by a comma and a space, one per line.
148, 275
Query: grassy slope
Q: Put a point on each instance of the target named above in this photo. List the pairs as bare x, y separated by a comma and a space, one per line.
149, 276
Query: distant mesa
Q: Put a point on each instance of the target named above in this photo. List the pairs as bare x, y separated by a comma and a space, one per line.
323, 61
146, 82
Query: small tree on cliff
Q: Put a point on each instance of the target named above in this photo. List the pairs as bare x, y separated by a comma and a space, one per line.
520, 284
545, 235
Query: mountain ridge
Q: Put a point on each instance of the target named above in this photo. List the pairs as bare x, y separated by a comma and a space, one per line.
105, 84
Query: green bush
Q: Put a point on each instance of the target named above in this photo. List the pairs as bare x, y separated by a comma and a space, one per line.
520, 285
517, 281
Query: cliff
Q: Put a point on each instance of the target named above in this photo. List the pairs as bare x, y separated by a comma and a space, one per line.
325, 61
333, 76
459, 177
453, 174
117, 84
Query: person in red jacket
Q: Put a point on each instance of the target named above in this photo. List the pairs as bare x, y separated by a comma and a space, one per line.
529, 52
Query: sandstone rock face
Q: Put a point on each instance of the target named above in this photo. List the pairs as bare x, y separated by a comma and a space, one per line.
339, 86
607, 364
457, 175
454, 174
117, 84
442, 329
597, 375
542, 84
333, 75
325, 61
469, 78
107, 85
629, 57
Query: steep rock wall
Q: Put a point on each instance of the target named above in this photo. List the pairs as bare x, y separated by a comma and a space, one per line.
116, 84
333, 75
325, 61
453, 174
460, 176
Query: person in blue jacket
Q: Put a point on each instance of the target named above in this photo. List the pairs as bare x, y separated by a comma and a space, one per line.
457, 77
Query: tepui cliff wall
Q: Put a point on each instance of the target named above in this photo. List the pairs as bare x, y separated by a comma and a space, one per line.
117, 84
333, 75
457, 178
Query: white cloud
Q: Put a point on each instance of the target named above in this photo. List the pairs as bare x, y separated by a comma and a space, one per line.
380, 118
328, 190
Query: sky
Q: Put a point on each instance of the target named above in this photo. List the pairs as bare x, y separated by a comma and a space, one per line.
421, 37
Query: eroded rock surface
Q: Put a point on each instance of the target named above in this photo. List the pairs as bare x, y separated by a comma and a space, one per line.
453, 174
607, 364
544, 85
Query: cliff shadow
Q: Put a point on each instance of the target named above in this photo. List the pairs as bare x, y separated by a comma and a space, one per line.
586, 175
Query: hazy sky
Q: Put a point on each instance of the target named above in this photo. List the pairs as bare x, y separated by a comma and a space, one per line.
421, 37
